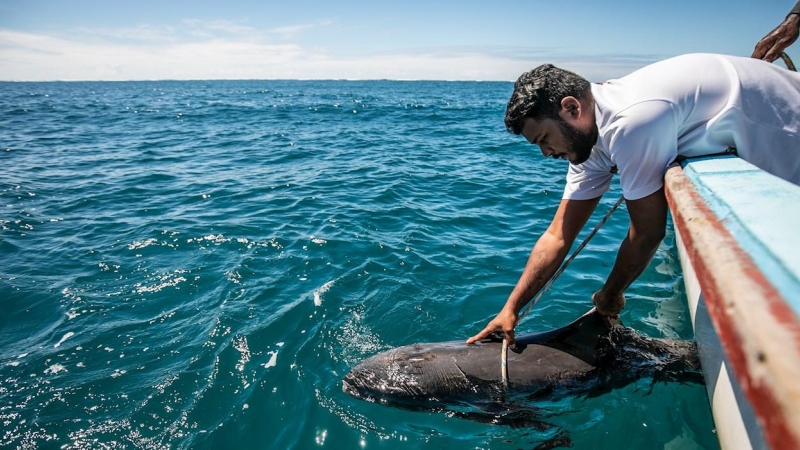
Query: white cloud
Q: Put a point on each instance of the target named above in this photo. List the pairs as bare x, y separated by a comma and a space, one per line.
141, 33
215, 28
225, 50
293, 30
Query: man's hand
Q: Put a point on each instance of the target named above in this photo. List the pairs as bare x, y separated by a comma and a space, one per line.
505, 321
770, 47
608, 306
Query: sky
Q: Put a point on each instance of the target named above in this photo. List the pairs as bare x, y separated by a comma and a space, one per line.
44, 40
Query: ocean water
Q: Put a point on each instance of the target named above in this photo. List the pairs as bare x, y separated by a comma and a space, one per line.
197, 264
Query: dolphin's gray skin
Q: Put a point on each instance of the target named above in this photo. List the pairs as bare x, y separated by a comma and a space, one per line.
584, 357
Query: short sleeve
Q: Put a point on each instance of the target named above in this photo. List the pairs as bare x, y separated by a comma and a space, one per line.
643, 141
590, 179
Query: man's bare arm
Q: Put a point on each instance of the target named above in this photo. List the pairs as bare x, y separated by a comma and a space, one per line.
648, 223
545, 258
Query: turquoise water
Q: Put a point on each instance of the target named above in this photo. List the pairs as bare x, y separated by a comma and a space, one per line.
197, 264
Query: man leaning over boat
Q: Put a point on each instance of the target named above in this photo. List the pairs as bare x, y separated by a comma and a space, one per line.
637, 125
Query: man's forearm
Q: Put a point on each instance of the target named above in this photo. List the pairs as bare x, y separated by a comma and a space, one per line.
633, 257
648, 223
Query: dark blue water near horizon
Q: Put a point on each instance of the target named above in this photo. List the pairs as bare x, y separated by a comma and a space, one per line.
196, 264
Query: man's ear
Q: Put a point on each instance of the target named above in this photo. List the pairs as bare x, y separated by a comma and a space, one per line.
570, 108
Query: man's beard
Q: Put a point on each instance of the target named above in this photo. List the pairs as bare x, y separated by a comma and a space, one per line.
577, 141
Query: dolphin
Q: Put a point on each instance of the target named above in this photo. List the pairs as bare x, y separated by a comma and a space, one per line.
586, 357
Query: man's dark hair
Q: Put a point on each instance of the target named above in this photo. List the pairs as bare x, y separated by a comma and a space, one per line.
538, 94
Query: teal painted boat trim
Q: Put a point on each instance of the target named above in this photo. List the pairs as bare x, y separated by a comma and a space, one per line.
760, 210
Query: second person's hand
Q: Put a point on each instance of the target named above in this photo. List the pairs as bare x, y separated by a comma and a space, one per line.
770, 47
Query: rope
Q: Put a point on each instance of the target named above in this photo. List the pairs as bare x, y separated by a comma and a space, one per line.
546, 287
788, 62
504, 364
563, 267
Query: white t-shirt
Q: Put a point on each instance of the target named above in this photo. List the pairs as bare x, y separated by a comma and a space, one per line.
690, 105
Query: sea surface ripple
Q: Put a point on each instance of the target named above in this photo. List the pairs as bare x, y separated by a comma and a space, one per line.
197, 264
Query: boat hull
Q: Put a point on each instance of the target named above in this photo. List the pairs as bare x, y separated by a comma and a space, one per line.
735, 226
